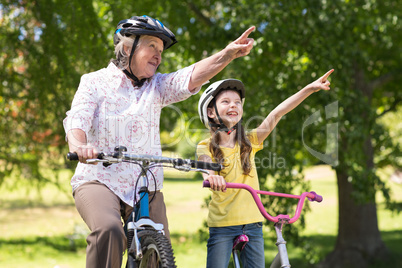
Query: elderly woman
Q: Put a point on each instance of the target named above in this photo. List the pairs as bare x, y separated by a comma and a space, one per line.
121, 105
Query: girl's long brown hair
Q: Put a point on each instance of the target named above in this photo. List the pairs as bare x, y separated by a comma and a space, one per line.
245, 148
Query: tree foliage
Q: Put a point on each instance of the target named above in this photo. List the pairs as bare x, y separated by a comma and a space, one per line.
48, 44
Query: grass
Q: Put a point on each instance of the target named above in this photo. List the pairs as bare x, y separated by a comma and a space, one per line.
45, 230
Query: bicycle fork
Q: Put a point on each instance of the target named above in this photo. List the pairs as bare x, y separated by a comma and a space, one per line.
281, 259
140, 222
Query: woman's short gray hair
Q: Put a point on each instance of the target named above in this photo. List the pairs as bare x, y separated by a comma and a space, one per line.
122, 59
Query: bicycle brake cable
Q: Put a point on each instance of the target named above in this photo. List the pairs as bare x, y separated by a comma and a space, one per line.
153, 176
136, 183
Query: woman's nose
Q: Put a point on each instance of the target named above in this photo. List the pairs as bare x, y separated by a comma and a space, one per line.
159, 53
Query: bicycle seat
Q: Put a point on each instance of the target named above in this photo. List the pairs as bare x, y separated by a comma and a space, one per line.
240, 242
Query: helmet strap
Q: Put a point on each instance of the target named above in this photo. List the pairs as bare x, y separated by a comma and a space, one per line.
130, 74
221, 126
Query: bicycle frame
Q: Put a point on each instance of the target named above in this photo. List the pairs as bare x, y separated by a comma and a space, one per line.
281, 259
145, 237
140, 218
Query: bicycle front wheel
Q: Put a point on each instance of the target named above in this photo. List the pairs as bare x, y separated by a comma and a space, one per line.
156, 249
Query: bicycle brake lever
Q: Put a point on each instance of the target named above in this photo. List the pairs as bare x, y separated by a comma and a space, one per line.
201, 170
90, 161
182, 168
106, 162
187, 169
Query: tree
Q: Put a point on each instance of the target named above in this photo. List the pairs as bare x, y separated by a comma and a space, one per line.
371, 46
48, 44
296, 41
43, 55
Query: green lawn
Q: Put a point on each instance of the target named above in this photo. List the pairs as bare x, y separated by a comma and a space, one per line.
46, 231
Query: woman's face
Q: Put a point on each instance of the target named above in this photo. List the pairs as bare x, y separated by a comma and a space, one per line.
147, 56
229, 107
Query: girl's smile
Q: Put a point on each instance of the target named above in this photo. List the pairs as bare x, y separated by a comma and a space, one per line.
230, 108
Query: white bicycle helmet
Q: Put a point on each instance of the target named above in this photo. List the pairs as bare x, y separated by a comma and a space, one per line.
212, 91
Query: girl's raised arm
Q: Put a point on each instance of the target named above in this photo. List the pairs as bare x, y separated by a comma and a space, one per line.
289, 104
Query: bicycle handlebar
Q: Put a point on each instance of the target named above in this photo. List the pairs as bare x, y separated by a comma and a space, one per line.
176, 162
311, 196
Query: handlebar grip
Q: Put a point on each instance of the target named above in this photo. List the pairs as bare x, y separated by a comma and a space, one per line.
74, 156
318, 198
206, 184
206, 165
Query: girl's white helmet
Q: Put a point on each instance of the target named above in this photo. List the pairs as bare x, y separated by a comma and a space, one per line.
213, 90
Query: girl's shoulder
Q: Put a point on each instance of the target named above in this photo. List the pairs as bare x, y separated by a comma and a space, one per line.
253, 138
205, 142
251, 134
203, 147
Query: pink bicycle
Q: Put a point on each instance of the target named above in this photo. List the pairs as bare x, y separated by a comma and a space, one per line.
281, 259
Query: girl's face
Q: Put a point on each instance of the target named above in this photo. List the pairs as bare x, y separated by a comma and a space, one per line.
147, 57
229, 107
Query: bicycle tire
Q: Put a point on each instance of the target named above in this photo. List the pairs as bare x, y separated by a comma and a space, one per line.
156, 249
130, 262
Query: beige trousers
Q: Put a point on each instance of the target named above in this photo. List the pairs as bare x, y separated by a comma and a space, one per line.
100, 208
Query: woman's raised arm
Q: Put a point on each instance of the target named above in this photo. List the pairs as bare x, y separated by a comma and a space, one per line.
211, 66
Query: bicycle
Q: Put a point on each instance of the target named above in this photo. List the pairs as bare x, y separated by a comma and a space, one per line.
146, 244
281, 259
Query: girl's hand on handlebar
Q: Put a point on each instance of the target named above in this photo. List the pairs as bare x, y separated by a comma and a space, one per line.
217, 182
85, 152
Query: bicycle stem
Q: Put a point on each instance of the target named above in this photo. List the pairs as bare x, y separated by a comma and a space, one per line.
281, 244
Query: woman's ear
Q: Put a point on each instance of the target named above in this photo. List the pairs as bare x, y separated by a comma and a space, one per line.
127, 50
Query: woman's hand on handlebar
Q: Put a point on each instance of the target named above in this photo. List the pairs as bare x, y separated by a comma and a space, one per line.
217, 182
85, 152
77, 143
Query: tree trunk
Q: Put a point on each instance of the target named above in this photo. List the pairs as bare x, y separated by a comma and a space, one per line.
359, 241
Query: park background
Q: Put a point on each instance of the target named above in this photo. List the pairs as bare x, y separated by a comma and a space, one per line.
344, 144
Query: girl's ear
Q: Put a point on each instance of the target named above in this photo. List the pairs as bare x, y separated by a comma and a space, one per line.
211, 112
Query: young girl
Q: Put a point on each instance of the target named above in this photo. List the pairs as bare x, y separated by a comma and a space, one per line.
231, 211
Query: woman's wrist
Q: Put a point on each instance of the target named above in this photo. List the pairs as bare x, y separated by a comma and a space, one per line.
310, 89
